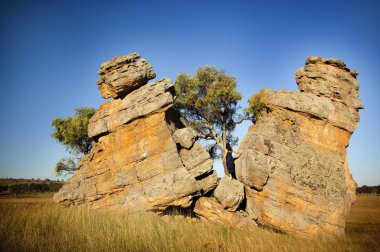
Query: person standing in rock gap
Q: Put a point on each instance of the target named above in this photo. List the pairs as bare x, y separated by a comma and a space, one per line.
230, 160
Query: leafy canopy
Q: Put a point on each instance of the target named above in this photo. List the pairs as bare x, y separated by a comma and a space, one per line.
72, 132
208, 101
256, 105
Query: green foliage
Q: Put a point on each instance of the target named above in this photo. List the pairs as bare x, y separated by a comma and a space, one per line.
72, 132
256, 105
208, 101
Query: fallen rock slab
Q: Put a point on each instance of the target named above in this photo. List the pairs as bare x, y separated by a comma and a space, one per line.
230, 193
210, 210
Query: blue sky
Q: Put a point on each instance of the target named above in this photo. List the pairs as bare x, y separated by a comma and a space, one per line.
51, 52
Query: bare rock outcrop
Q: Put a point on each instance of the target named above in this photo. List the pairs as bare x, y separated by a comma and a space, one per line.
123, 74
135, 161
294, 158
292, 175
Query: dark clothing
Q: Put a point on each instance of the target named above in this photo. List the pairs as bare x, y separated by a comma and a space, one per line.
230, 164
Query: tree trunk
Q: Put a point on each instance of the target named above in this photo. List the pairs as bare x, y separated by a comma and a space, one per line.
223, 150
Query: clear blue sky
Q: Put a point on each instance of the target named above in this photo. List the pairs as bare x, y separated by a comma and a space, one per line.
51, 52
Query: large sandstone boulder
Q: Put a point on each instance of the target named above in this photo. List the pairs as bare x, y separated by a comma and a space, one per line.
210, 210
122, 74
230, 193
294, 158
135, 161
185, 137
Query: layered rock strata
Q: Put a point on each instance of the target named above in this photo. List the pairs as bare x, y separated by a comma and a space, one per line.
122, 74
142, 157
294, 159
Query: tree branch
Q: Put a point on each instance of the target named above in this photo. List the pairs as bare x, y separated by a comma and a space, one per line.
244, 118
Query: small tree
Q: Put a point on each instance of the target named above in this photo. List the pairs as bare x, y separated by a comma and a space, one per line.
72, 132
208, 102
256, 105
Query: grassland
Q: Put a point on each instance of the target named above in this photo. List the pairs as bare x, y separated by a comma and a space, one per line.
38, 224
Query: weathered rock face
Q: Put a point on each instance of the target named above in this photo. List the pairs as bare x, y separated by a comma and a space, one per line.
209, 209
135, 161
292, 174
294, 158
330, 78
230, 193
185, 137
123, 74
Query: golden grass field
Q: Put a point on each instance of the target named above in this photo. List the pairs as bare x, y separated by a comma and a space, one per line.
38, 224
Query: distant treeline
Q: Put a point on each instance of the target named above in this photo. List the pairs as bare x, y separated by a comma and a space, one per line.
27, 186
368, 189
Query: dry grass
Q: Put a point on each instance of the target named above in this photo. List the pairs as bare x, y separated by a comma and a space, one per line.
366, 209
37, 224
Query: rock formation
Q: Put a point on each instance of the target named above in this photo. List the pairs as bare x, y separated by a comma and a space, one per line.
230, 193
210, 210
294, 159
123, 74
142, 157
292, 175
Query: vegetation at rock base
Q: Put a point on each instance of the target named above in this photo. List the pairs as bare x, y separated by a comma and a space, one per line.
72, 133
37, 224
